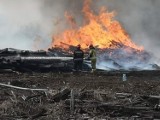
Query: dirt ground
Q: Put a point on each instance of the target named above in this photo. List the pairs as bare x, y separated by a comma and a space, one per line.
140, 92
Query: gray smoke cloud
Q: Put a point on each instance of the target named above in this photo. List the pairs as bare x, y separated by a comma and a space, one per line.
30, 24
141, 19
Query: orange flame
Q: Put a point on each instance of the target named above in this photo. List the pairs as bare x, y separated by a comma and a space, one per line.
100, 30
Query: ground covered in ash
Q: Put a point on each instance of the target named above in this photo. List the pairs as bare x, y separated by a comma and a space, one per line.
80, 96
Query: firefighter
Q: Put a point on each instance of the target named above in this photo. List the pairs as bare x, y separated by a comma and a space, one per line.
78, 58
92, 57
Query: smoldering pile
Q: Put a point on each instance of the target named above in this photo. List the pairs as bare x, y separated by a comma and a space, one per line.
125, 58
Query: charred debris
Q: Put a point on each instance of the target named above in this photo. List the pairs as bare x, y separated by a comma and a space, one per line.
33, 97
54, 59
57, 59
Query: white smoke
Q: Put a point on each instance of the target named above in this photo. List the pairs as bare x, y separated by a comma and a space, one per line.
22, 22
30, 24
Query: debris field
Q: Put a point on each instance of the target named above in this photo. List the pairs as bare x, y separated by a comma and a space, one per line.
80, 96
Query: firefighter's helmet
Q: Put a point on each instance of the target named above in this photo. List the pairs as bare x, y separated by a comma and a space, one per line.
78, 46
91, 46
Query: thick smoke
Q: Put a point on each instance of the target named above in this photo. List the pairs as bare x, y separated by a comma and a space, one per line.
141, 19
22, 24
30, 24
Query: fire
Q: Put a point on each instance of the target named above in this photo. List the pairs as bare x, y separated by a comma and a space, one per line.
101, 30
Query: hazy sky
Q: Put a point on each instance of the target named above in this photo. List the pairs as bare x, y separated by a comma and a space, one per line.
29, 24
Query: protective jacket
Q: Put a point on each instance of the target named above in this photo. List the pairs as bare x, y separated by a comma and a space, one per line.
78, 55
78, 59
92, 56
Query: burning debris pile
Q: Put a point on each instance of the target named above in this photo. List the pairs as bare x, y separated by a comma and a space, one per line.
115, 48
101, 30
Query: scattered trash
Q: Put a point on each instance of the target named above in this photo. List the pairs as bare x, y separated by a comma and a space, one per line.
124, 77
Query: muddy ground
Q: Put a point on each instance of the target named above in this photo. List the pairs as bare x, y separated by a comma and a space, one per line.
97, 96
